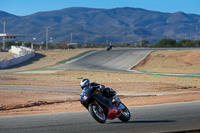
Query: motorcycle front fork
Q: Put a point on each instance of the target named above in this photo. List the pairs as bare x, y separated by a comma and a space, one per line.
117, 100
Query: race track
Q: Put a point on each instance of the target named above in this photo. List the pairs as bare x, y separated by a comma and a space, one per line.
156, 118
116, 60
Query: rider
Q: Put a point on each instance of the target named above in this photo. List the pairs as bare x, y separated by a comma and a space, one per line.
109, 47
107, 92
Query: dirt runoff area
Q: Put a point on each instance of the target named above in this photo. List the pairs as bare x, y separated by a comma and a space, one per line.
6, 55
33, 92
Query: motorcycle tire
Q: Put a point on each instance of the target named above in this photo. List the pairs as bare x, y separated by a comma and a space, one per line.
126, 115
97, 113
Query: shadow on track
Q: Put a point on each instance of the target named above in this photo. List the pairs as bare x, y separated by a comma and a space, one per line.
152, 121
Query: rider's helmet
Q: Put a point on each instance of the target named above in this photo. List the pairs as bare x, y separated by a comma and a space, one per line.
84, 83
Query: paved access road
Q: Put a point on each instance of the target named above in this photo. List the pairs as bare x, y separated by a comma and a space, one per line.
116, 60
156, 118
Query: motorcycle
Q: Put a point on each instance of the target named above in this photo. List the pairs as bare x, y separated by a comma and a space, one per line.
109, 47
102, 108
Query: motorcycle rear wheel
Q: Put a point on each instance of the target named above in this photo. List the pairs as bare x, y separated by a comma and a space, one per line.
97, 113
126, 115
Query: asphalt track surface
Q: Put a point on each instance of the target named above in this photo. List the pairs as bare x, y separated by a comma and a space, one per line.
116, 60
155, 118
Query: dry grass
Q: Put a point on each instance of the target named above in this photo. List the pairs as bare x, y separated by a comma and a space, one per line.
44, 59
6, 55
180, 61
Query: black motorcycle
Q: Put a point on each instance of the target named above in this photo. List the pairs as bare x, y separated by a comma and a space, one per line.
102, 108
109, 47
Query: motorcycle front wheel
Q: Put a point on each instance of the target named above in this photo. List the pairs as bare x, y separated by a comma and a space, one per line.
97, 113
126, 115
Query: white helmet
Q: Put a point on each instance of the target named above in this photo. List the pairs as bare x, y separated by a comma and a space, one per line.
85, 83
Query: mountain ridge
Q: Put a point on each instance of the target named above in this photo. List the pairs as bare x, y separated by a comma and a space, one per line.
103, 25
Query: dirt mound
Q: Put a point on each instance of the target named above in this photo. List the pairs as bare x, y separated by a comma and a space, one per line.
180, 61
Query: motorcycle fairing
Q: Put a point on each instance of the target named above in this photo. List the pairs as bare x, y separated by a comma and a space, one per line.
103, 100
121, 106
86, 95
113, 113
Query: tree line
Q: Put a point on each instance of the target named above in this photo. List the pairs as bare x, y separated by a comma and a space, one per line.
163, 43
167, 43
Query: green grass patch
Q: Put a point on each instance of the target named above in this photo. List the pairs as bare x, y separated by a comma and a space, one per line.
42, 69
171, 74
81, 54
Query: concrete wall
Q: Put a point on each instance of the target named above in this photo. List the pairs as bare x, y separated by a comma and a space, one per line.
23, 54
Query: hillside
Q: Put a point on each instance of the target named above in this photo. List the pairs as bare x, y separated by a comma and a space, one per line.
103, 25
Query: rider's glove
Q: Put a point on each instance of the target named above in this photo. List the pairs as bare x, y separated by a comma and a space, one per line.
100, 87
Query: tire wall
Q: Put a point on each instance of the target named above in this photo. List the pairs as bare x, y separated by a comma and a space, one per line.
23, 54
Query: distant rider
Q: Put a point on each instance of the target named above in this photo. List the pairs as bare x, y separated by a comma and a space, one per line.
109, 47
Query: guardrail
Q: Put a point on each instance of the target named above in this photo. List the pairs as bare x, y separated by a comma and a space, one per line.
23, 54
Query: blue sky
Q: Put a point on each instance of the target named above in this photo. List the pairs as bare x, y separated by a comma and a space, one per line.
27, 7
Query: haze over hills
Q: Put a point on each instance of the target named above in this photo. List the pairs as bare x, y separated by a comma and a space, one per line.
102, 25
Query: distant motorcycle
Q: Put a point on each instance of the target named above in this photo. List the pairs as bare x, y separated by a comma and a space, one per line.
109, 47
101, 108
